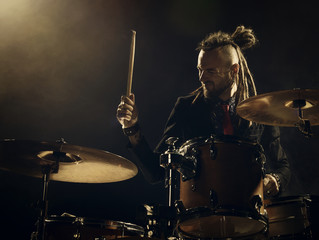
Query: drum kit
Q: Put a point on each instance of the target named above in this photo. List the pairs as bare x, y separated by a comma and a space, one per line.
215, 185
60, 161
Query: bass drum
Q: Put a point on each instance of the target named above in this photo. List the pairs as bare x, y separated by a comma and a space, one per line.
293, 217
225, 198
78, 228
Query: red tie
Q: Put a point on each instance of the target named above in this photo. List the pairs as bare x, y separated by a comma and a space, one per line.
227, 125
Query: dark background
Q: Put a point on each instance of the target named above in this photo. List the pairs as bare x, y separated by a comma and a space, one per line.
63, 68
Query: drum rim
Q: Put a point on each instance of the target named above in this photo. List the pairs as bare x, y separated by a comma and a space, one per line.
108, 224
236, 211
217, 139
222, 211
288, 199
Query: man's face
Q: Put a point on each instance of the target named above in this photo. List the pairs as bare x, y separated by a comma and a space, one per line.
214, 72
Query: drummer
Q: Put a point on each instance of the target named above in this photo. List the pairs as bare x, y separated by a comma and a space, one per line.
211, 110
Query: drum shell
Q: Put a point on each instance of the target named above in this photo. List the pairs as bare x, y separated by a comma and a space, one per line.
220, 201
235, 176
293, 216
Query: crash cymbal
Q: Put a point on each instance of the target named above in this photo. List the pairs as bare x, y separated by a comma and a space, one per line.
282, 108
75, 163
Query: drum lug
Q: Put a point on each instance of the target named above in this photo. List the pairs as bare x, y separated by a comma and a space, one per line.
256, 202
213, 151
189, 166
180, 208
213, 198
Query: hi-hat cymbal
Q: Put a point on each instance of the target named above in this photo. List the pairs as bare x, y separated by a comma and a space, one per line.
75, 163
282, 108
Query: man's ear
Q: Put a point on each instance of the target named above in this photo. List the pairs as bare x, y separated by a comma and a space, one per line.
235, 68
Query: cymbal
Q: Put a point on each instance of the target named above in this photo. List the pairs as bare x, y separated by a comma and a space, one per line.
282, 108
75, 163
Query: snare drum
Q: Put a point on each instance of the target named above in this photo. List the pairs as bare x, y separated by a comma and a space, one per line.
78, 228
293, 217
225, 198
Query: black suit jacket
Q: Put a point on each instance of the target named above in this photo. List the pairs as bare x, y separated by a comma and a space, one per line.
190, 120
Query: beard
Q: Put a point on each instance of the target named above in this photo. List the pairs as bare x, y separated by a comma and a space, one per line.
216, 92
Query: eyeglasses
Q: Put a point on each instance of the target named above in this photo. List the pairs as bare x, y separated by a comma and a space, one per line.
212, 72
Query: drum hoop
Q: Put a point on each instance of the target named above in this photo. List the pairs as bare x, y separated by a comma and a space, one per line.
199, 212
198, 141
288, 199
190, 147
185, 234
263, 219
56, 218
108, 224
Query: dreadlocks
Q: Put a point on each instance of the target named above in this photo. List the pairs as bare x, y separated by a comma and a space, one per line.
241, 39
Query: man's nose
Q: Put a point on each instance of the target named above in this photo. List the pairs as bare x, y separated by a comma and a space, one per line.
203, 76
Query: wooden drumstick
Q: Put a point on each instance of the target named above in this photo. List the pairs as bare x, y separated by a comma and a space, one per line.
131, 64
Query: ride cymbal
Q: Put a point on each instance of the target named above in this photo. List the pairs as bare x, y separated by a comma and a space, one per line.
66, 163
282, 108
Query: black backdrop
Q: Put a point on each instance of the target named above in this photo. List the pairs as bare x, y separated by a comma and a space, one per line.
63, 68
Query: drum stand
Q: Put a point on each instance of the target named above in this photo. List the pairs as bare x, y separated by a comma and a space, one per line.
170, 162
160, 220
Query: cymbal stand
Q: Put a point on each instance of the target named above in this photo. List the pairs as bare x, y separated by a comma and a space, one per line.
46, 171
55, 157
39, 234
